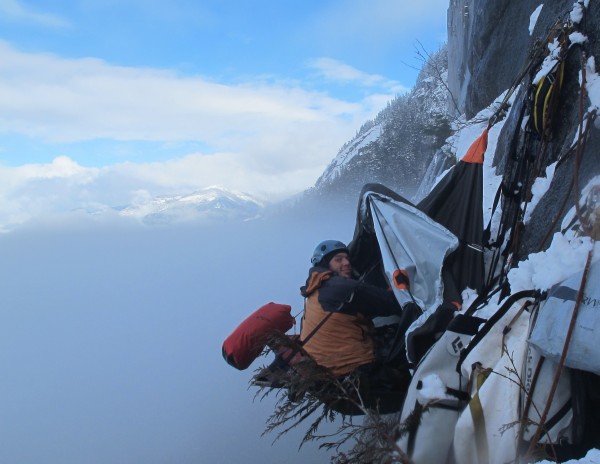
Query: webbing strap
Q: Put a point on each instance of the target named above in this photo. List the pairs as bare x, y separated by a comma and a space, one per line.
476, 409
562, 412
508, 326
412, 429
301, 343
492, 320
298, 348
317, 327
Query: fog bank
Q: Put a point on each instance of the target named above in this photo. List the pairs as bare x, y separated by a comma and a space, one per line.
111, 333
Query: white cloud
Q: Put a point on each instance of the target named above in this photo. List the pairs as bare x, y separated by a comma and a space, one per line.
42, 190
74, 100
17, 11
33, 190
337, 71
195, 171
87, 99
267, 140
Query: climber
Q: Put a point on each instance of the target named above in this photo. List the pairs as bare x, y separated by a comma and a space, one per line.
337, 328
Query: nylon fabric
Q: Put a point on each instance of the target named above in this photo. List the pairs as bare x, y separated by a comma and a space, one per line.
414, 244
550, 331
493, 414
431, 440
342, 344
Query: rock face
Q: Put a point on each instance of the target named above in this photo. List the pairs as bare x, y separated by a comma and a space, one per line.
482, 40
492, 46
489, 44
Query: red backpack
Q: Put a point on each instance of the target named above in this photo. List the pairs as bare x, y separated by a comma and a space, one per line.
249, 339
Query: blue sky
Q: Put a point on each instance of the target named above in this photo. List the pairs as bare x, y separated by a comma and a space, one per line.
169, 97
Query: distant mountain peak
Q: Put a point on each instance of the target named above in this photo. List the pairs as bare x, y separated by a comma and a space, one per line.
212, 203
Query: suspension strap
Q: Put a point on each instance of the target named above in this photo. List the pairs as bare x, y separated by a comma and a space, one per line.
317, 327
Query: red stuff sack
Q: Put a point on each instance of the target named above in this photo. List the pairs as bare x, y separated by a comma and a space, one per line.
249, 339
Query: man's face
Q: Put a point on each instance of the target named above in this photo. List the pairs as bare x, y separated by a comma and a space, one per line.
340, 263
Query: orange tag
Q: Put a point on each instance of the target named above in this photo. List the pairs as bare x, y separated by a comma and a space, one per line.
401, 279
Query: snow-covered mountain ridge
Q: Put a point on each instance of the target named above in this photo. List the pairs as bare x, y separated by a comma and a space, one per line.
350, 150
210, 203
396, 147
